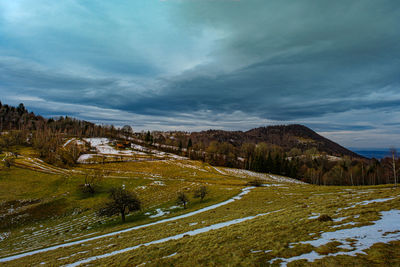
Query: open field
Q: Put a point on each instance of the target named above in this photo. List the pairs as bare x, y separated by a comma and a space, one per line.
45, 215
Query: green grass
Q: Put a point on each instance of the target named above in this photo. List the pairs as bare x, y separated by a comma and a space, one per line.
57, 200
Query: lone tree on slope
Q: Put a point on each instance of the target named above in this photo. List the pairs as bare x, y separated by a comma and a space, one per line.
123, 202
8, 162
393, 151
182, 199
92, 181
201, 192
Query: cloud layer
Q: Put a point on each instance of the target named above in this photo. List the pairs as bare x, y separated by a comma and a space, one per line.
193, 65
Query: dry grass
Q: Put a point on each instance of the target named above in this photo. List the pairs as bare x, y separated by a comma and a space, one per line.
251, 243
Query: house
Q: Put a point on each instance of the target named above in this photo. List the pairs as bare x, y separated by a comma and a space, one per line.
123, 145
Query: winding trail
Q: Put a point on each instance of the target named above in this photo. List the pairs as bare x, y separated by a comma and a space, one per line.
245, 191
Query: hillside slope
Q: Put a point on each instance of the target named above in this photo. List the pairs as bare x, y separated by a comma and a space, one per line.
285, 136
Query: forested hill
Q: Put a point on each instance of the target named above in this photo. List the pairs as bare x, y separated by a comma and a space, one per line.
19, 118
284, 136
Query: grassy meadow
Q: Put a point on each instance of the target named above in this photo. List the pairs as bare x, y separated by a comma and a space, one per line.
43, 205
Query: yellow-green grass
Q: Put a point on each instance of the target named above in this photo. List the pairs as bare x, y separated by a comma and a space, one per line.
58, 198
251, 243
236, 244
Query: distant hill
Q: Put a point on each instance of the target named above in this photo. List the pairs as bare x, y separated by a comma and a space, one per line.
19, 118
285, 136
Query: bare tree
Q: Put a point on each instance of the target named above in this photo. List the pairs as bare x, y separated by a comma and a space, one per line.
8, 162
182, 199
201, 192
127, 129
92, 180
393, 151
123, 202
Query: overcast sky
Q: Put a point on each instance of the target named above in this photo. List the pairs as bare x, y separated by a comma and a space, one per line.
199, 64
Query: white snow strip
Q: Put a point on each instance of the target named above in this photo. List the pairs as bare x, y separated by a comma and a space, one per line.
4, 236
84, 157
366, 202
159, 213
314, 216
345, 224
384, 230
250, 174
218, 170
69, 141
169, 256
269, 185
285, 179
174, 207
245, 191
159, 183
175, 237
69, 256
339, 219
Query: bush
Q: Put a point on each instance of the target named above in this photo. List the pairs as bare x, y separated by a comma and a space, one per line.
324, 218
182, 199
256, 182
8, 162
92, 181
201, 192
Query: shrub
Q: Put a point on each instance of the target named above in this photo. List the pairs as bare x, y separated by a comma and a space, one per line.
92, 181
324, 218
201, 192
255, 182
182, 199
8, 162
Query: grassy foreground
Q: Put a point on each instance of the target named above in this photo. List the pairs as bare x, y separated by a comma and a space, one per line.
41, 208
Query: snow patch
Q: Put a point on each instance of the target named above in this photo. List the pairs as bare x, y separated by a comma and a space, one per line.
159, 213
314, 216
345, 224
159, 183
4, 236
384, 230
175, 237
245, 191
174, 207
366, 202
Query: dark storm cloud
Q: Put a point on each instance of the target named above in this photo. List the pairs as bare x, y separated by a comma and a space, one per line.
192, 63
304, 59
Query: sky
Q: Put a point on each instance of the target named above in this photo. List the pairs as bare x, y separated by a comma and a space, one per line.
193, 65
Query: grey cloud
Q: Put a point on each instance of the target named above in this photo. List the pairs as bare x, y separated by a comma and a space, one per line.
273, 61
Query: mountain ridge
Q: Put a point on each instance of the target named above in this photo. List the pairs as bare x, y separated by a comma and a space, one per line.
286, 136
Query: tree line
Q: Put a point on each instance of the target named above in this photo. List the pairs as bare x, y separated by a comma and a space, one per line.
19, 127
311, 165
